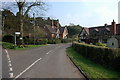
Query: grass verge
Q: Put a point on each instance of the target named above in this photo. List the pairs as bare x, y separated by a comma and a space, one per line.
29, 47
92, 70
19, 47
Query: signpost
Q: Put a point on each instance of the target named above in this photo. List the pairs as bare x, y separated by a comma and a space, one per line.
16, 33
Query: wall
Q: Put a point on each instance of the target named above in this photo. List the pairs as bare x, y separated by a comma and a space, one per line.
112, 43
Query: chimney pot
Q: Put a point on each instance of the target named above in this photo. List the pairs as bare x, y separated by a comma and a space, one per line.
114, 27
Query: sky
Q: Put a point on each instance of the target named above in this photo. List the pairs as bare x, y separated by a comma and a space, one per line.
84, 13
87, 13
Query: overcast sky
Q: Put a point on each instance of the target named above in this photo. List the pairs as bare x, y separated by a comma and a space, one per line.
87, 13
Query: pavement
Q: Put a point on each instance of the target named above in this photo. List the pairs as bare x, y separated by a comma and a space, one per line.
45, 62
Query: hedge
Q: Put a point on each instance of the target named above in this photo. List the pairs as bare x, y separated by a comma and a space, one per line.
108, 57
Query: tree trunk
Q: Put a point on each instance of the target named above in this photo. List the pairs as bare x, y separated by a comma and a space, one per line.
21, 30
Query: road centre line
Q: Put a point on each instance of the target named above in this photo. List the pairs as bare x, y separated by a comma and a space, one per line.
52, 50
32, 65
27, 69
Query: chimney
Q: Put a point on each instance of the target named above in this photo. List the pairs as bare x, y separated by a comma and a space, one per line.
105, 24
114, 27
57, 23
52, 24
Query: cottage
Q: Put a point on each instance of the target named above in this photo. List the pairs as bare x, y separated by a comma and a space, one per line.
109, 34
53, 29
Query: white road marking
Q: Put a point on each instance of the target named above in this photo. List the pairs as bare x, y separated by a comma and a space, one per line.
49, 52
27, 68
33, 64
9, 64
53, 49
11, 75
11, 69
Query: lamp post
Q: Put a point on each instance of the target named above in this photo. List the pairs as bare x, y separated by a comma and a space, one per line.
15, 36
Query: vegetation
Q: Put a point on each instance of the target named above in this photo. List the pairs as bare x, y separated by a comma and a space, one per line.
18, 47
73, 30
100, 44
93, 71
68, 40
107, 57
23, 10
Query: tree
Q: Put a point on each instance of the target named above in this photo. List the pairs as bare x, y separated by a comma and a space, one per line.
9, 22
24, 8
28, 5
73, 30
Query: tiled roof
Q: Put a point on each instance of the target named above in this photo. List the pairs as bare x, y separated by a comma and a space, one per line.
52, 30
101, 30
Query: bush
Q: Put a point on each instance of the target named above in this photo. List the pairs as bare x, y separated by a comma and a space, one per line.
66, 40
28, 40
50, 41
42, 41
107, 57
54, 41
100, 44
8, 45
57, 41
8, 38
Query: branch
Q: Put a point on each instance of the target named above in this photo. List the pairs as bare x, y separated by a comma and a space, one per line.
29, 7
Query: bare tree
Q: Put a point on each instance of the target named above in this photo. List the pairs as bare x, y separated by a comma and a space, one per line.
24, 7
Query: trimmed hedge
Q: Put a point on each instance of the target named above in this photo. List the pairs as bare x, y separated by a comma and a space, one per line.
108, 57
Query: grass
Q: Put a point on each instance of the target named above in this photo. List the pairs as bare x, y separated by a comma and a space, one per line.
29, 47
20, 47
91, 69
0, 42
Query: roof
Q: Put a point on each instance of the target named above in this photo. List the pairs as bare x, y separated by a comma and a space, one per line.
61, 29
101, 30
52, 30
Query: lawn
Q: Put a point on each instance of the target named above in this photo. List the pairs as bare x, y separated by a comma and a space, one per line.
92, 70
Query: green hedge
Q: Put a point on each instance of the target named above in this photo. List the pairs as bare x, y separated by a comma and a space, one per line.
108, 57
54, 41
42, 41
66, 40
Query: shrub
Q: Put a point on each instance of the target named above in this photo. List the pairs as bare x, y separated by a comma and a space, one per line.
8, 38
42, 41
28, 40
51, 41
107, 57
54, 41
8, 45
100, 44
66, 40
57, 41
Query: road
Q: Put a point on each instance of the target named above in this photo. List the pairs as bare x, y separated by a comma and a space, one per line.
45, 62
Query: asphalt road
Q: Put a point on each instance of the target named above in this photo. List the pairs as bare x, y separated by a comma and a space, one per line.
45, 62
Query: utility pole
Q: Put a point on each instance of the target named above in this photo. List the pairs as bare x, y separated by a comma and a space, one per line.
34, 26
3, 24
